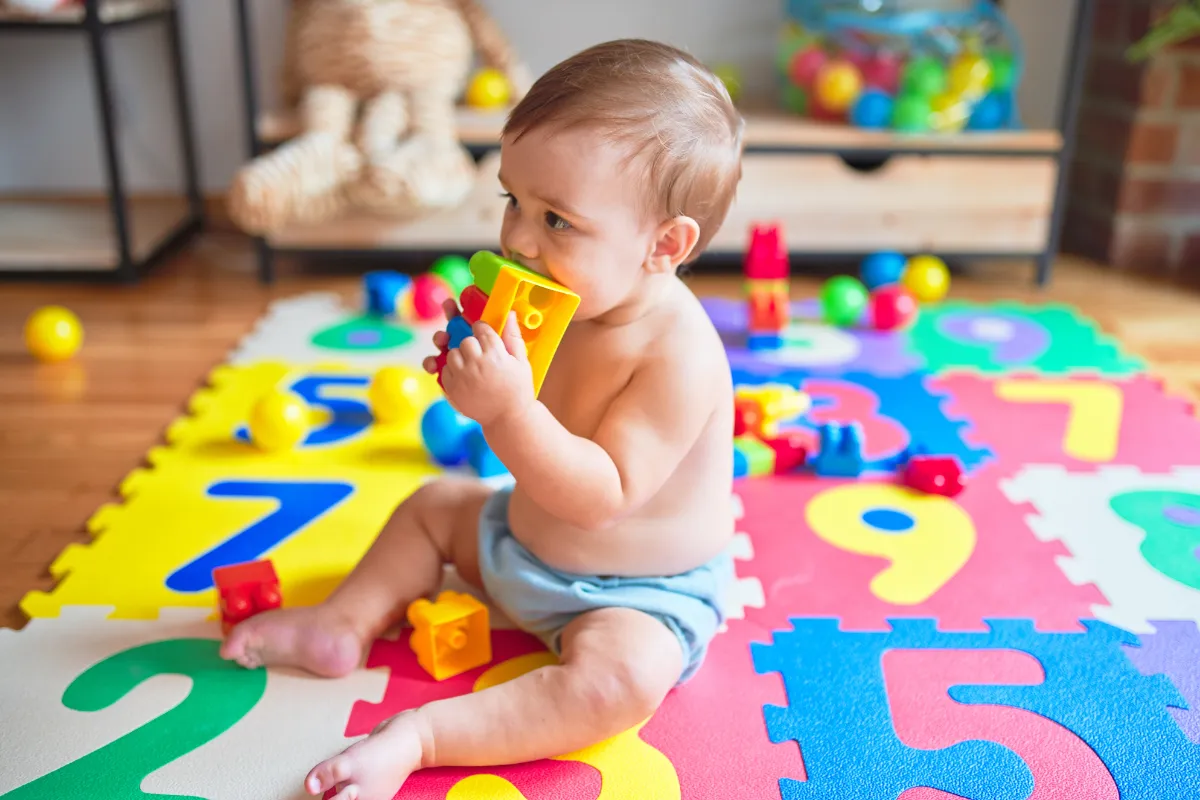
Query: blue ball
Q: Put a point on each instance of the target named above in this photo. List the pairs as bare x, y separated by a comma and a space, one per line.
444, 432
383, 289
992, 112
480, 456
882, 269
873, 109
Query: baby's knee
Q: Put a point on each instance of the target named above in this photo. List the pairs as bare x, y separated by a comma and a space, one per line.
623, 692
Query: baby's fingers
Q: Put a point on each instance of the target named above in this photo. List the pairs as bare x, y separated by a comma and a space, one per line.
449, 308
441, 340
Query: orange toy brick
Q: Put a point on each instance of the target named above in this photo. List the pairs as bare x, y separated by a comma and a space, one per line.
244, 590
450, 635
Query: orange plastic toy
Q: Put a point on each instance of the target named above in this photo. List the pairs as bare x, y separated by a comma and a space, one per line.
450, 635
245, 590
544, 308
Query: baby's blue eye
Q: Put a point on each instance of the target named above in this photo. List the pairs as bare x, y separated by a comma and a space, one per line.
556, 222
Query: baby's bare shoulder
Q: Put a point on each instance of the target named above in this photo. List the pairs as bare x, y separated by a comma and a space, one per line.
685, 338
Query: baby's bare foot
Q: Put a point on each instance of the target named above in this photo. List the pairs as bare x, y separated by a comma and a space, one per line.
376, 767
313, 638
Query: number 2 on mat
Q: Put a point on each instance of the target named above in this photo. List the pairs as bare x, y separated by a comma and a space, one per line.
221, 694
300, 502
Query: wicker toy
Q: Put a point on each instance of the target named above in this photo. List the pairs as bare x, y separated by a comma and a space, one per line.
374, 83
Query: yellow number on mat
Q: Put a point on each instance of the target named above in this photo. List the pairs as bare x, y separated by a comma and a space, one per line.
1094, 413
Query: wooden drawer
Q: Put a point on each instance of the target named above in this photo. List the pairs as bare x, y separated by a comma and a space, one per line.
912, 202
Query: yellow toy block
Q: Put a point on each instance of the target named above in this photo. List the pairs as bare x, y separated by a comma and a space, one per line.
777, 402
544, 308
450, 635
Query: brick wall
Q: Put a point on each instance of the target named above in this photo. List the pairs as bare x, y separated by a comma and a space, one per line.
1134, 198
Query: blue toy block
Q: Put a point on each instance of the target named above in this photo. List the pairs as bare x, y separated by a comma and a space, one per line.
841, 451
764, 341
459, 329
480, 456
384, 290
839, 711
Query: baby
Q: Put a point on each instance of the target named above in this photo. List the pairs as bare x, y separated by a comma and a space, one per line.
612, 547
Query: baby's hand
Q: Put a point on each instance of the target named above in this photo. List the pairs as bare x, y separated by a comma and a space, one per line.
488, 376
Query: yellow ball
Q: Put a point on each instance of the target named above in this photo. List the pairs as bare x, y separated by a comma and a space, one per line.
279, 421
395, 395
927, 278
488, 89
950, 112
839, 83
970, 76
53, 333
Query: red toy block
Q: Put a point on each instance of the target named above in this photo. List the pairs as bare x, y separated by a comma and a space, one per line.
766, 258
245, 590
747, 417
440, 363
935, 475
473, 299
791, 451
769, 309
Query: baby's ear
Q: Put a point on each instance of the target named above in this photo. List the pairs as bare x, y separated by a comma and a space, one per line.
673, 242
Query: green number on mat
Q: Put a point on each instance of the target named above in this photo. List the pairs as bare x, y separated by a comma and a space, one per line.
221, 694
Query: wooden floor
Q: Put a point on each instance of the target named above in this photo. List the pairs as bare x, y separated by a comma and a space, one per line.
69, 432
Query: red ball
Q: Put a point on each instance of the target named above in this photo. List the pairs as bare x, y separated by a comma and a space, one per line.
892, 307
883, 72
805, 66
428, 293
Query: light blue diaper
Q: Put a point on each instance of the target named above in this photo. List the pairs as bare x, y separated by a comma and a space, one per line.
542, 600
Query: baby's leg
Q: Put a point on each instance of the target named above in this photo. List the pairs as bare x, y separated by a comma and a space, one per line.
617, 666
437, 524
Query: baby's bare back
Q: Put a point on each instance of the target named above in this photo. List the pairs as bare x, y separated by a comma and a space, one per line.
689, 519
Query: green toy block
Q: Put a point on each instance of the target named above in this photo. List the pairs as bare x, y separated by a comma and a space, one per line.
485, 266
760, 457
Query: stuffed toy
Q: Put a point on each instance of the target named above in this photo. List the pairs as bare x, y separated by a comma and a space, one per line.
374, 84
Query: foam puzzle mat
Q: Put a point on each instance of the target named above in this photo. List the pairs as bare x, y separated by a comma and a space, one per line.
1034, 637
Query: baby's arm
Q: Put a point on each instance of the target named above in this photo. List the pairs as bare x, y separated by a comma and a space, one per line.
648, 429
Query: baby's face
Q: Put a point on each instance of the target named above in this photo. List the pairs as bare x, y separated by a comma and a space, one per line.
575, 214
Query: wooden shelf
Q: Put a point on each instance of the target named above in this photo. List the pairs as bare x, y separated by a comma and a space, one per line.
765, 130
111, 12
72, 235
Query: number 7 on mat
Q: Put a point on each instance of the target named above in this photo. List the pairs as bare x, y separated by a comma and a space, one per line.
1094, 413
300, 503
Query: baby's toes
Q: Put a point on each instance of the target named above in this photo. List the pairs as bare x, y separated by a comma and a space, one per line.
328, 774
350, 792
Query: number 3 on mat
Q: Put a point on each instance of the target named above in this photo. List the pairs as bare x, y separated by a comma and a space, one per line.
300, 502
221, 694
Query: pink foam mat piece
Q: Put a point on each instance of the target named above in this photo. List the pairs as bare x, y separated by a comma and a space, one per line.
1156, 431
1009, 573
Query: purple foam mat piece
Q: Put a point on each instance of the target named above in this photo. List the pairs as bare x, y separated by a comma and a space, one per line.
1174, 650
814, 347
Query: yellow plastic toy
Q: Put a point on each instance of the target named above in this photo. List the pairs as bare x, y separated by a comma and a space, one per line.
488, 89
395, 395
53, 333
776, 403
544, 308
279, 421
450, 635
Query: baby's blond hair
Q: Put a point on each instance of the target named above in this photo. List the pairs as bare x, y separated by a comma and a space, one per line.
673, 113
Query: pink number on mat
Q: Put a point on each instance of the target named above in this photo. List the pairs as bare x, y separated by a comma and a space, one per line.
841, 401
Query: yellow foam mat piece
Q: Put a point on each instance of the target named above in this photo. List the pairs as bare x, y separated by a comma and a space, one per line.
211, 499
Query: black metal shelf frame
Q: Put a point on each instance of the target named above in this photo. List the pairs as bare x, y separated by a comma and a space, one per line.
96, 29
1067, 124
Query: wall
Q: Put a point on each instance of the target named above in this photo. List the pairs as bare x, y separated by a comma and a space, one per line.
52, 145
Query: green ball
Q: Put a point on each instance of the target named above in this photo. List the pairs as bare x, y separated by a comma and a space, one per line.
924, 76
795, 99
843, 300
1004, 70
912, 114
455, 271
731, 76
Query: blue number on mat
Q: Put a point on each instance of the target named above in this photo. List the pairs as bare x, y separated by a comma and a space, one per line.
300, 502
348, 417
